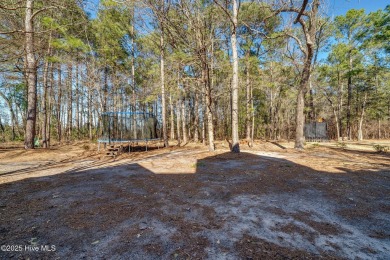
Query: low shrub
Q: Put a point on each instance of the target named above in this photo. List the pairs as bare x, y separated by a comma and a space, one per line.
342, 145
381, 148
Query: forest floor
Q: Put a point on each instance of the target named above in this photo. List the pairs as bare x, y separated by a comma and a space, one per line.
269, 201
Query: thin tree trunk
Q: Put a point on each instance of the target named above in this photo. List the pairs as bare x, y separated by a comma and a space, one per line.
172, 137
105, 90
235, 137
188, 122
50, 104
288, 127
78, 100
209, 112
248, 101
70, 103
184, 121
31, 75
163, 106
312, 115
337, 123
196, 120
349, 99
178, 108
340, 108
253, 117
134, 98
44, 103
45, 98
204, 120
89, 86
360, 130
59, 102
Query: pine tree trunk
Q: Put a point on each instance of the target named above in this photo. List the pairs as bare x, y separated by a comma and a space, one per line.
134, 98
196, 120
337, 123
178, 108
78, 100
312, 115
31, 76
59, 102
209, 112
360, 129
162, 78
44, 103
172, 137
340, 110
235, 137
89, 86
253, 117
248, 101
70, 103
184, 121
204, 120
51, 102
349, 99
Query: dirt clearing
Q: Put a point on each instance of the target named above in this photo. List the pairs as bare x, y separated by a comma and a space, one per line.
267, 202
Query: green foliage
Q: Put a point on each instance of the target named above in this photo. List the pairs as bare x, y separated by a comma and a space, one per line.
381, 148
197, 33
110, 30
342, 145
349, 26
70, 44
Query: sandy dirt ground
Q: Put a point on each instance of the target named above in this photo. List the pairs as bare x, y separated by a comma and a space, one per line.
269, 201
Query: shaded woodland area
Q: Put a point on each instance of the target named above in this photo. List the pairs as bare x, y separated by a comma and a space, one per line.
209, 70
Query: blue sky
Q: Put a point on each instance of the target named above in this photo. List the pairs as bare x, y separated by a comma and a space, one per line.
339, 7
335, 7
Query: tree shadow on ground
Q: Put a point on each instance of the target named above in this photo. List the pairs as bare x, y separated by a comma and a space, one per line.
224, 206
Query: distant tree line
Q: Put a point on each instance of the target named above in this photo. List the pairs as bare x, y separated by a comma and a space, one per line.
208, 70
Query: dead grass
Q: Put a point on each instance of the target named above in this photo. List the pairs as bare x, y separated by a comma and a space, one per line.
270, 201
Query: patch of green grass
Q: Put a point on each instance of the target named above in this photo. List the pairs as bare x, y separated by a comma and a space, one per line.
315, 145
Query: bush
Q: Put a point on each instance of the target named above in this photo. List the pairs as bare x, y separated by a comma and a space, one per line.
381, 148
342, 145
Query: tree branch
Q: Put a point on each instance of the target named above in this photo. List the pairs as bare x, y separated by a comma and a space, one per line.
225, 11
285, 10
304, 4
11, 32
12, 8
298, 42
44, 9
